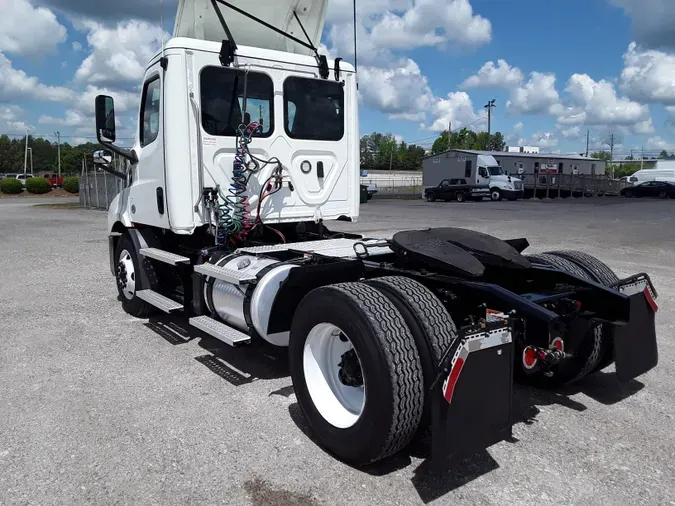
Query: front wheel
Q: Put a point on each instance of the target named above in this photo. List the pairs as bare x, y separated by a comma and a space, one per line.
129, 279
628, 194
356, 372
431, 197
495, 194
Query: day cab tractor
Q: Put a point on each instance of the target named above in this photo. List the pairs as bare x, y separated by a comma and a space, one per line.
247, 149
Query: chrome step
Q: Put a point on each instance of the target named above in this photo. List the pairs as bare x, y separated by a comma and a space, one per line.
224, 274
220, 331
164, 256
159, 301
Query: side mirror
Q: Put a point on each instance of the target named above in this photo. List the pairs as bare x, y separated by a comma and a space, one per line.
105, 118
102, 157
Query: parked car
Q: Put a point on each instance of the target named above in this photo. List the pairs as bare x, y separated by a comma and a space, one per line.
456, 189
23, 177
661, 189
8, 176
372, 190
53, 178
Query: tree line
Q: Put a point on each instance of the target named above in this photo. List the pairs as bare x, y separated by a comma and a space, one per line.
45, 155
383, 152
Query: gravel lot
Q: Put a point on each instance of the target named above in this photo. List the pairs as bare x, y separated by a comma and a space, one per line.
98, 407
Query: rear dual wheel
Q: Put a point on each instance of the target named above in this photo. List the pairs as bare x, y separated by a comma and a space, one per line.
357, 353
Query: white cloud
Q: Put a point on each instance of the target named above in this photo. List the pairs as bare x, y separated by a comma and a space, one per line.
537, 96
653, 21
17, 85
571, 133
516, 133
401, 91
648, 75
77, 47
72, 118
432, 23
457, 109
490, 75
10, 121
543, 140
596, 103
660, 144
29, 31
120, 54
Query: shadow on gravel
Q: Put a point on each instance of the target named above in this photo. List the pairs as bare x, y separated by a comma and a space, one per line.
238, 366
432, 480
605, 388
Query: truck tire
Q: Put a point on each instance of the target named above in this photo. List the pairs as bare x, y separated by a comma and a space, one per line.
429, 322
495, 194
603, 274
356, 372
431, 197
460, 197
127, 269
587, 357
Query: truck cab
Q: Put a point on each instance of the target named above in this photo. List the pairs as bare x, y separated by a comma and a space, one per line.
501, 185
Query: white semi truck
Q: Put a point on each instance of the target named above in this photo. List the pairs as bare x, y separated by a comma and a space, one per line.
247, 148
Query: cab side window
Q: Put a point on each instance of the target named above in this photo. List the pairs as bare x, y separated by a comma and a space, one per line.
150, 111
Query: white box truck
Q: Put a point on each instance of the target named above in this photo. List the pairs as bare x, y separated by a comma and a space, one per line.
477, 168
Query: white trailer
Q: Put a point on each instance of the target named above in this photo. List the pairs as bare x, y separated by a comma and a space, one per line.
244, 154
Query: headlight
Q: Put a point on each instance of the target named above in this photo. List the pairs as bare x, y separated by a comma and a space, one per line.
509, 187
306, 167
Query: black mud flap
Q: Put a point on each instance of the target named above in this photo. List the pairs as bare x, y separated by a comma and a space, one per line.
635, 345
471, 406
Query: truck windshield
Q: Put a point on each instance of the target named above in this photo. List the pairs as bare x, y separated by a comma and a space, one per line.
313, 109
496, 171
222, 100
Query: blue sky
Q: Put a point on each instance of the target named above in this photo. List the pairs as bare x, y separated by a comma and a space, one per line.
557, 69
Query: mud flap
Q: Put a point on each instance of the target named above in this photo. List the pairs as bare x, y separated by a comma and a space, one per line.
635, 345
471, 408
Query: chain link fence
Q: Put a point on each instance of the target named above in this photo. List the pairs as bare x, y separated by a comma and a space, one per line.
395, 186
97, 187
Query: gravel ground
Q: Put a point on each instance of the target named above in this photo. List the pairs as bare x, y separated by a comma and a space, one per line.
98, 407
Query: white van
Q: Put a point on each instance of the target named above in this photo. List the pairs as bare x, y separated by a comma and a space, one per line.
657, 174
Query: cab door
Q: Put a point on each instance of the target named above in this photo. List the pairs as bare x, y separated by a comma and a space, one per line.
147, 194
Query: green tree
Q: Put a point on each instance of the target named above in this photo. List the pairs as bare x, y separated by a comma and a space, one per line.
602, 155
441, 144
663, 155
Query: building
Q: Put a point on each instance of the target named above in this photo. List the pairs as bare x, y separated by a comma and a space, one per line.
536, 163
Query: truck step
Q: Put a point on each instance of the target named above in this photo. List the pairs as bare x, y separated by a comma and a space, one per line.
159, 301
164, 256
228, 275
220, 331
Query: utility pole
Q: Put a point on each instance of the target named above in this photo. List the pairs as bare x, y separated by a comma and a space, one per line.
25, 156
588, 140
642, 158
489, 107
449, 127
58, 144
611, 152
391, 157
